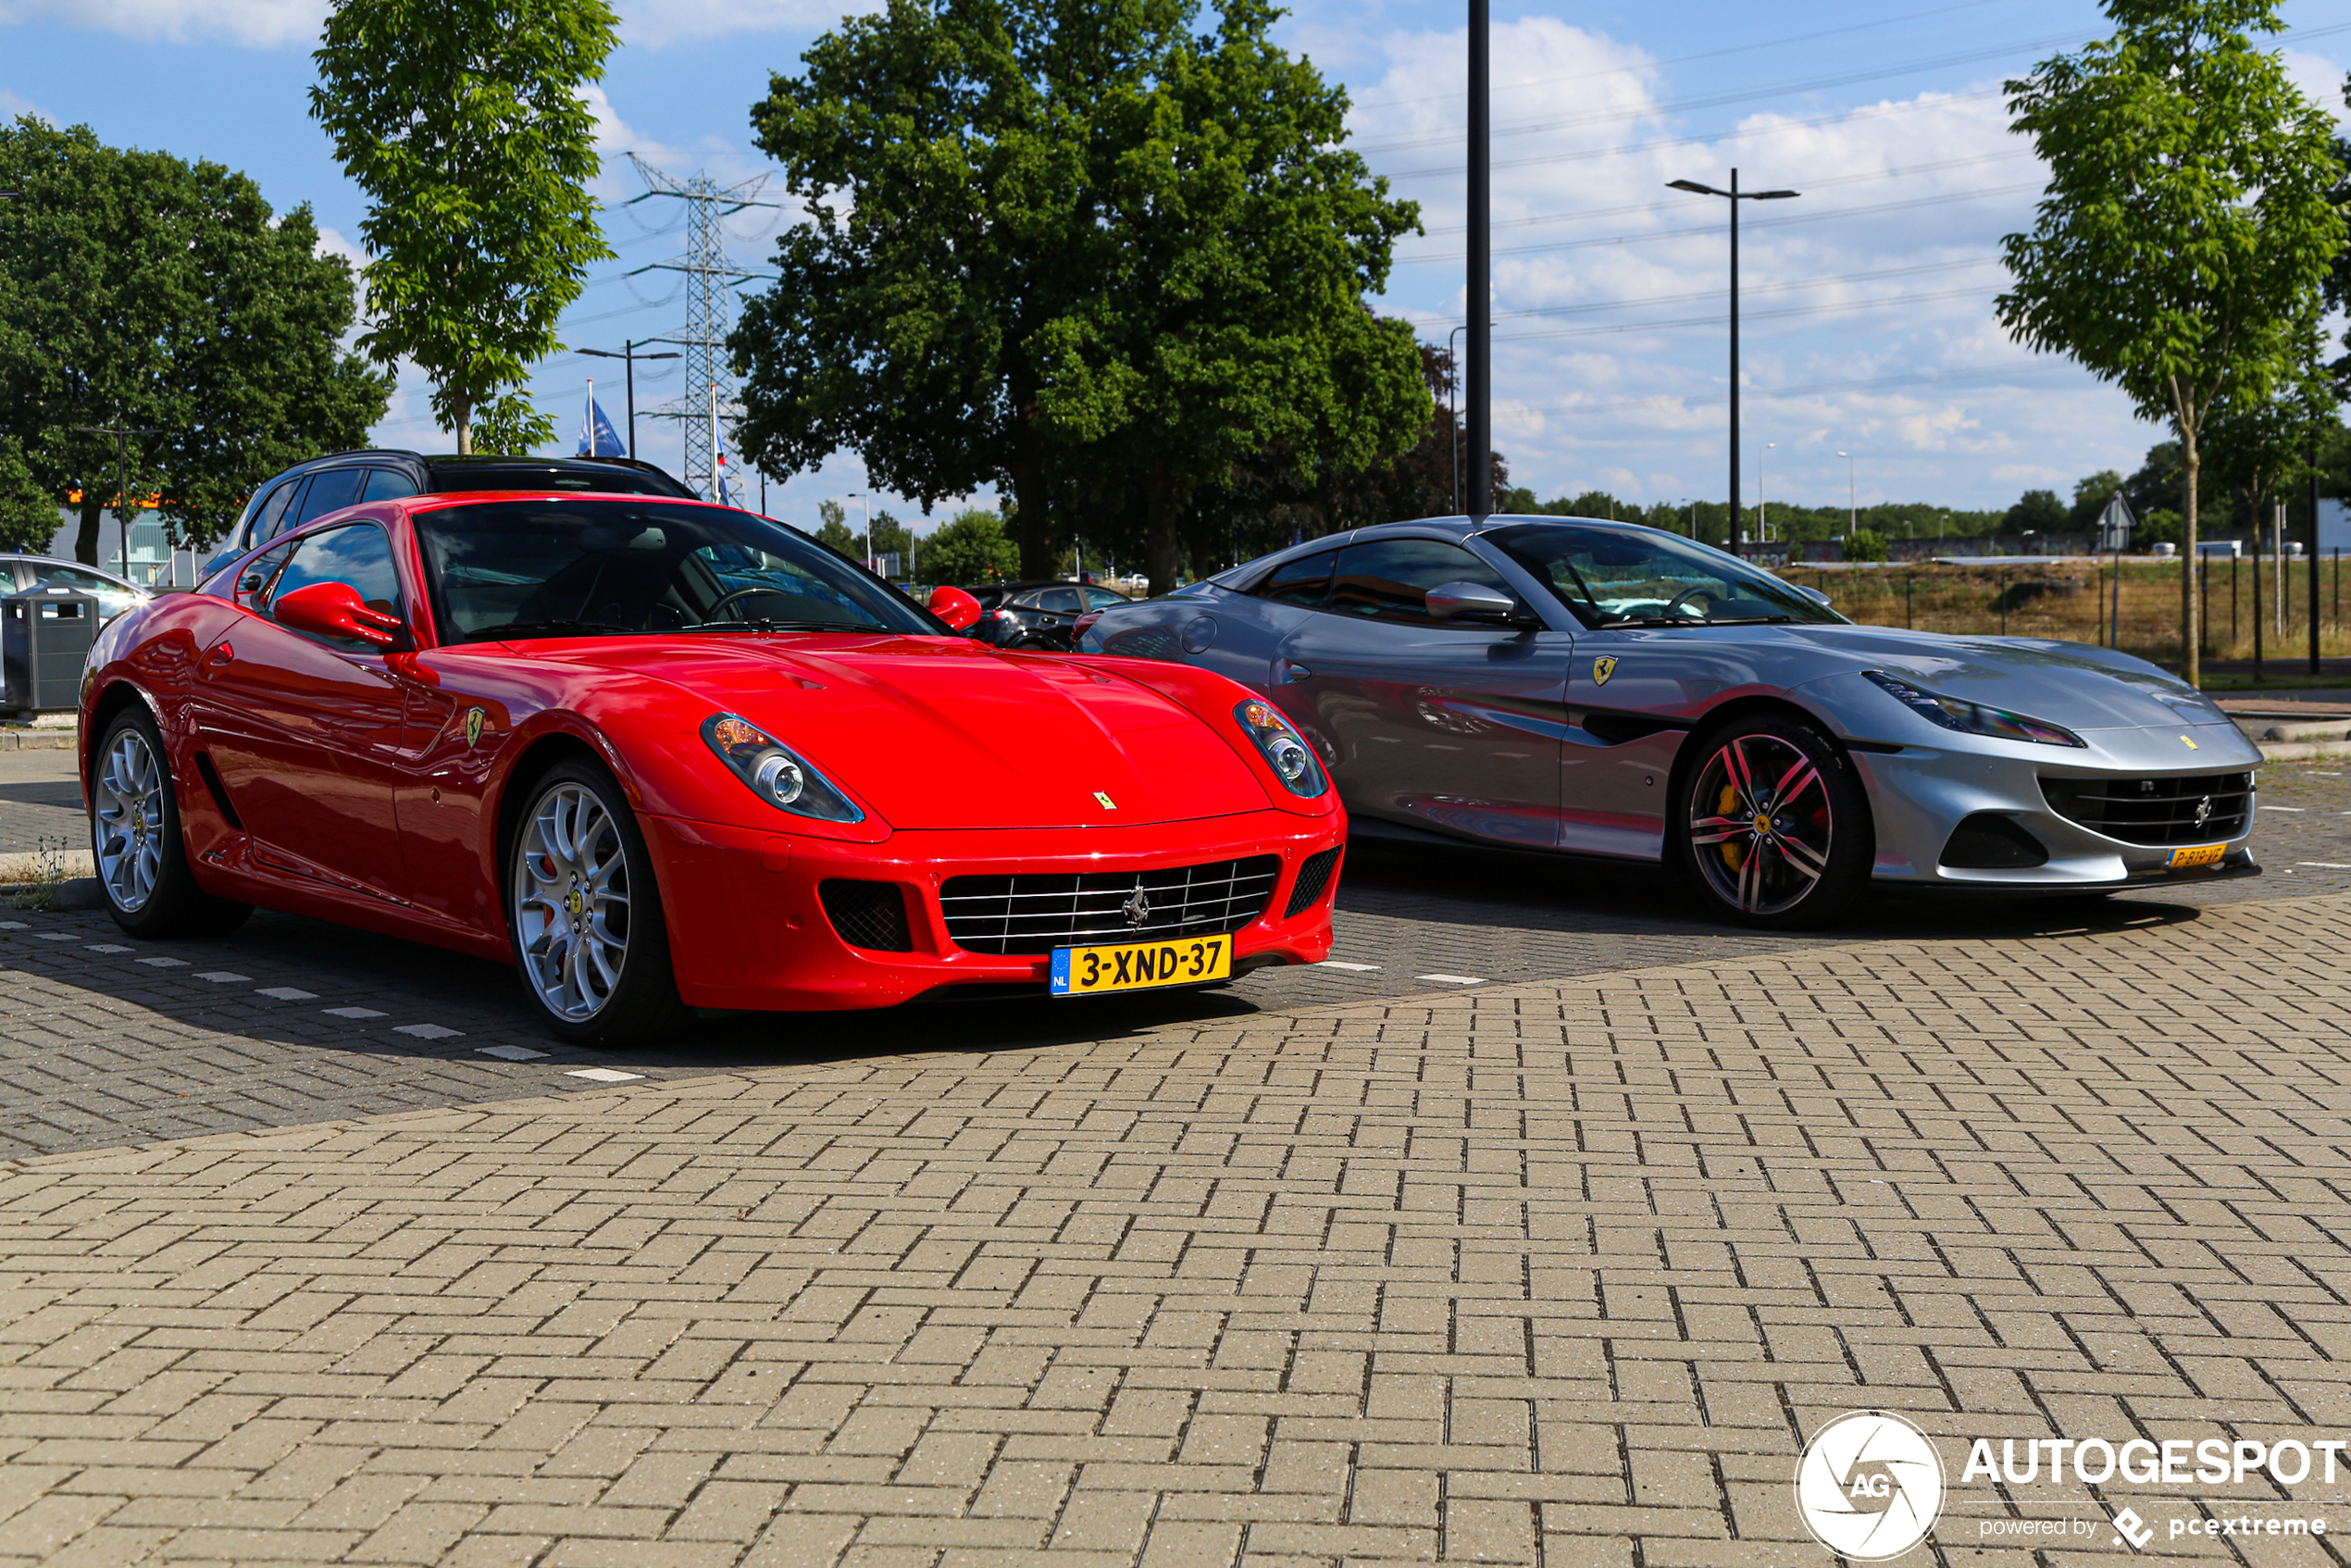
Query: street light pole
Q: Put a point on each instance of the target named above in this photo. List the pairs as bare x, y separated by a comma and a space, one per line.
1762, 510
1852, 498
629, 354
122, 480
1452, 409
1480, 302
1734, 196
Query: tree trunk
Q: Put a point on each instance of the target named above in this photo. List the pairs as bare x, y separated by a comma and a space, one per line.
1159, 530
464, 427
2191, 633
1032, 519
85, 538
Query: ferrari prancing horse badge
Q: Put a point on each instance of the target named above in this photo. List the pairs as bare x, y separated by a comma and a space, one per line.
473, 726
1602, 667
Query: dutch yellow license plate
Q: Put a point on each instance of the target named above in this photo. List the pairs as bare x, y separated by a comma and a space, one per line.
1091, 971
2198, 854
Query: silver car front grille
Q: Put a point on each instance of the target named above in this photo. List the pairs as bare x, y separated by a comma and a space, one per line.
2199, 808
1034, 912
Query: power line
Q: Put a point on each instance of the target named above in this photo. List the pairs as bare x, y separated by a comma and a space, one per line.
1716, 100
1829, 308
1685, 60
1757, 223
1716, 292
1712, 138
1675, 401
1857, 115
1809, 185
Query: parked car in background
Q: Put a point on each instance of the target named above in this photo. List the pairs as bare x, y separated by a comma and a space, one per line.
115, 595
1046, 614
345, 479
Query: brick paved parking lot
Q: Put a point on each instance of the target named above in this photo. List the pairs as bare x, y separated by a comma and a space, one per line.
1542, 1273
1559, 1267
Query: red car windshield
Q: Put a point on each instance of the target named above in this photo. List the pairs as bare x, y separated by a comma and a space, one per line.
501, 570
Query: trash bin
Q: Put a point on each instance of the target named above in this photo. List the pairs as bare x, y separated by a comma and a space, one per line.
44, 639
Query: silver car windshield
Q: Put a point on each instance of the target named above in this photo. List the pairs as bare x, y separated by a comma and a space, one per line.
1614, 575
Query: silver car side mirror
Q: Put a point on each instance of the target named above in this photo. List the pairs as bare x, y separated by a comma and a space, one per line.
1469, 602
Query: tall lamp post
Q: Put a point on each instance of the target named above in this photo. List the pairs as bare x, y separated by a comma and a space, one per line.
1480, 301
629, 353
1762, 507
1852, 498
1734, 196
121, 433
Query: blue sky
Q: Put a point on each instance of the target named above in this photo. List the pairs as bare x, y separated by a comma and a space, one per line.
1869, 330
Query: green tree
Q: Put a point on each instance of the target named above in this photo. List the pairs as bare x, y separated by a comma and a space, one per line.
972, 549
1090, 255
2090, 496
464, 122
2038, 512
2181, 246
1865, 544
139, 289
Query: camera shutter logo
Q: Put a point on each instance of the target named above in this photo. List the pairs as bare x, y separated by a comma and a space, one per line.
1869, 1486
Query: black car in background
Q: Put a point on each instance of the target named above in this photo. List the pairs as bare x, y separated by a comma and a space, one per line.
1041, 614
345, 479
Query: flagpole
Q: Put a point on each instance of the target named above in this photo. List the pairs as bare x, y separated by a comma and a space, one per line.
587, 420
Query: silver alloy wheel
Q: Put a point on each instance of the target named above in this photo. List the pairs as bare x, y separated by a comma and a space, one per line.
571, 901
1760, 824
125, 830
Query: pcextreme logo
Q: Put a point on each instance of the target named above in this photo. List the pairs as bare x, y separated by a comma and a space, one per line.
1869, 1486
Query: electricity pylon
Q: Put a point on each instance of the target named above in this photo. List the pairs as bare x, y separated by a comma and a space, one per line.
710, 379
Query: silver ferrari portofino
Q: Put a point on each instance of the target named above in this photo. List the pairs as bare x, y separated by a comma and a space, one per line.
1607, 690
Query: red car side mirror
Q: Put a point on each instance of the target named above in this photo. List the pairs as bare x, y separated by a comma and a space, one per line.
335, 609
957, 608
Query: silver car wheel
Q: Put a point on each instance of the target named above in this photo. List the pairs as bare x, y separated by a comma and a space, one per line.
1761, 824
571, 901
125, 830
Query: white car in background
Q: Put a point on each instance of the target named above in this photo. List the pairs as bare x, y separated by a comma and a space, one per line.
115, 595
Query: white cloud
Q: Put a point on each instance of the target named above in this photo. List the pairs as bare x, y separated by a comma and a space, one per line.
2320, 79
261, 24
11, 106
657, 23
1858, 298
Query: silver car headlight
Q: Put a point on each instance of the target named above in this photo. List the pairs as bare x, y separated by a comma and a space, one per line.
1291, 759
1971, 719
776, 773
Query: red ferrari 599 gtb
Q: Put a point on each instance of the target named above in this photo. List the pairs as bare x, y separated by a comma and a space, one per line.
662, 755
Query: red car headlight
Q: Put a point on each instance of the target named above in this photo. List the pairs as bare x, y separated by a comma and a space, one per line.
774, 772
1291, 759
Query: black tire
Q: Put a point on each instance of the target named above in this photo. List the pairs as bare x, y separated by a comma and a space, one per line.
135, 840
1770, 824
591, 945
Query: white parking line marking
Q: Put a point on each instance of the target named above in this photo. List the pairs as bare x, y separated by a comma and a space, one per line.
165, 963
289, 994
224, 977
13, 926
355, 1013
2325, 864
428, 1031
2285, 808
1360, 968
604, 1074
1454, 980
69, 937
504, 1052
110, 947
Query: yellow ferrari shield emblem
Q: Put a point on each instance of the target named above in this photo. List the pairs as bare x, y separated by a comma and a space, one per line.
2188, 743
1107, 804
1602, 668
473, 726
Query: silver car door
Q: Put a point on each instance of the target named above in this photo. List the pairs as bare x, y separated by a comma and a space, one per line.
1424, 722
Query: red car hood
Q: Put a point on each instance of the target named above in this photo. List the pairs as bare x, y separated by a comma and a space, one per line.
936, 732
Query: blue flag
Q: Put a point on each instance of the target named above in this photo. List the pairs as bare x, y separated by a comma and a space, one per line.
597, 438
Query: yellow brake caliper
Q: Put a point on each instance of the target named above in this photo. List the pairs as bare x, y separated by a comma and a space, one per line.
1734, 855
